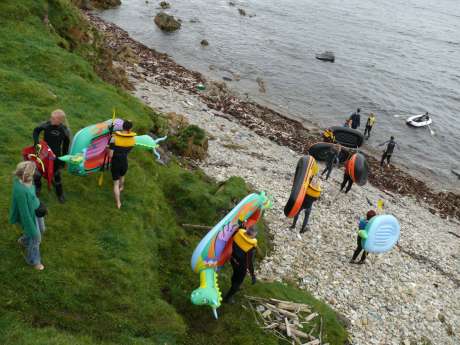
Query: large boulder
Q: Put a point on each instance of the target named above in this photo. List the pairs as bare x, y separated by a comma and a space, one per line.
167, 22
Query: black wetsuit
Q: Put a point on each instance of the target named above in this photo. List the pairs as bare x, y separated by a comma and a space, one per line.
332, 159
388, 151
358, 250
241, 263
307, 205
119, 164
355, 120
58, 139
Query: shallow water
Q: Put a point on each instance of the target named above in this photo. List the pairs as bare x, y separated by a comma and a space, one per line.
392, 57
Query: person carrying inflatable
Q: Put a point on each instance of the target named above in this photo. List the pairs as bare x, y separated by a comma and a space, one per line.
361, 234
57, 136
313, 193
120, 145
355, 119
347, 180
242, 260
369, 124
391, 144
332, 160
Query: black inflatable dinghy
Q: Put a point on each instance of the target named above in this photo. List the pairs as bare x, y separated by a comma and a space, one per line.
348, 137
320, 151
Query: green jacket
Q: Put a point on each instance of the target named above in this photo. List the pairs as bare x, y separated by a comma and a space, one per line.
24, 202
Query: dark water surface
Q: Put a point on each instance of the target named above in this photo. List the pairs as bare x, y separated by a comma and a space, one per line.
392, 57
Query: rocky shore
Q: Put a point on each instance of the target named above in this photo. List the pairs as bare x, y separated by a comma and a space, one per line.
410, 295
144, 62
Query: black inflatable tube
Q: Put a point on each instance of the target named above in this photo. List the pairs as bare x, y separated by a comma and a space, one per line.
348, 137
299, 178
320, 152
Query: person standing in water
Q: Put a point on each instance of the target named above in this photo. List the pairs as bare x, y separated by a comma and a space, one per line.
362, 225
313, 194
332, 160
120, 145
242, 260
347, 180
369, 124
57, 136
391, 144
355, 119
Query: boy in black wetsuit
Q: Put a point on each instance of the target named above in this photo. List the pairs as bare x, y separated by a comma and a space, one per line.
57, 136
391, 144
242, 260
120, 145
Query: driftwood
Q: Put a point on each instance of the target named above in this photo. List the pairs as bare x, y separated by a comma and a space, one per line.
286, 320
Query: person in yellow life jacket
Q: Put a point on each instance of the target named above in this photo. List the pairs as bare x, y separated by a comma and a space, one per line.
313, 194
369, 124
242, 260
328, 136
121, 144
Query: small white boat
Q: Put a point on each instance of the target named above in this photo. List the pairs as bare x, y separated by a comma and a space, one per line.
420, 120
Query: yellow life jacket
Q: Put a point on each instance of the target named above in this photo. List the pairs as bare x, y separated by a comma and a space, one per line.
244, 241
314, 190
124, 139
371, 120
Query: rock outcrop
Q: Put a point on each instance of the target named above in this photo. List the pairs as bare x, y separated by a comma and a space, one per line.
167, 22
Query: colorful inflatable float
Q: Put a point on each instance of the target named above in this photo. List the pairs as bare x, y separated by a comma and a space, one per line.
348, 137
306, 169
320, 151
358, 168
215, 248
87, 152
381, 234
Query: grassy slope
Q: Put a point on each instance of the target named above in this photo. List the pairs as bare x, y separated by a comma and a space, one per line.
112, 277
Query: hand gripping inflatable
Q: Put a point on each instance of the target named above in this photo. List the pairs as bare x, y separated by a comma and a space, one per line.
306, 169
216, 248
88, 150
358, 168
381, 234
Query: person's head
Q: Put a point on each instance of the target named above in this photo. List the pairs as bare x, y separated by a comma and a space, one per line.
127, 125
372, 115
370, 214
25, 171
392, 138
426, 113
57, 117
358, 110
251, 232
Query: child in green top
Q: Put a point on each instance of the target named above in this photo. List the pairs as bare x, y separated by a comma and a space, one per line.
24, 203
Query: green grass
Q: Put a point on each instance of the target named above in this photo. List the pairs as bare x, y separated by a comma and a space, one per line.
112, 277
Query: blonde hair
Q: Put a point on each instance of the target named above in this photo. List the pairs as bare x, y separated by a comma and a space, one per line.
25, 171
58, 112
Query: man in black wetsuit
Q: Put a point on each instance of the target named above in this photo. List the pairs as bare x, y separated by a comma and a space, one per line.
120, 145
391, 144
57, 136
332, 160
242, 260
355, 119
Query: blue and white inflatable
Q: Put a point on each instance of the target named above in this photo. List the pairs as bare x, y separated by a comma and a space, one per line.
381, 234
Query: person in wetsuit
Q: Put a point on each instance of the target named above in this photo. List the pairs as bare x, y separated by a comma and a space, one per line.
391, 144
369, 124
121, 144
313, 193
57, 135
242, 260
332, 160
362, 225
355, 119
347, 180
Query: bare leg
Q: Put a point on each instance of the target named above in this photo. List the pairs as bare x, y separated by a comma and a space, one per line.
116, 193
122, 183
